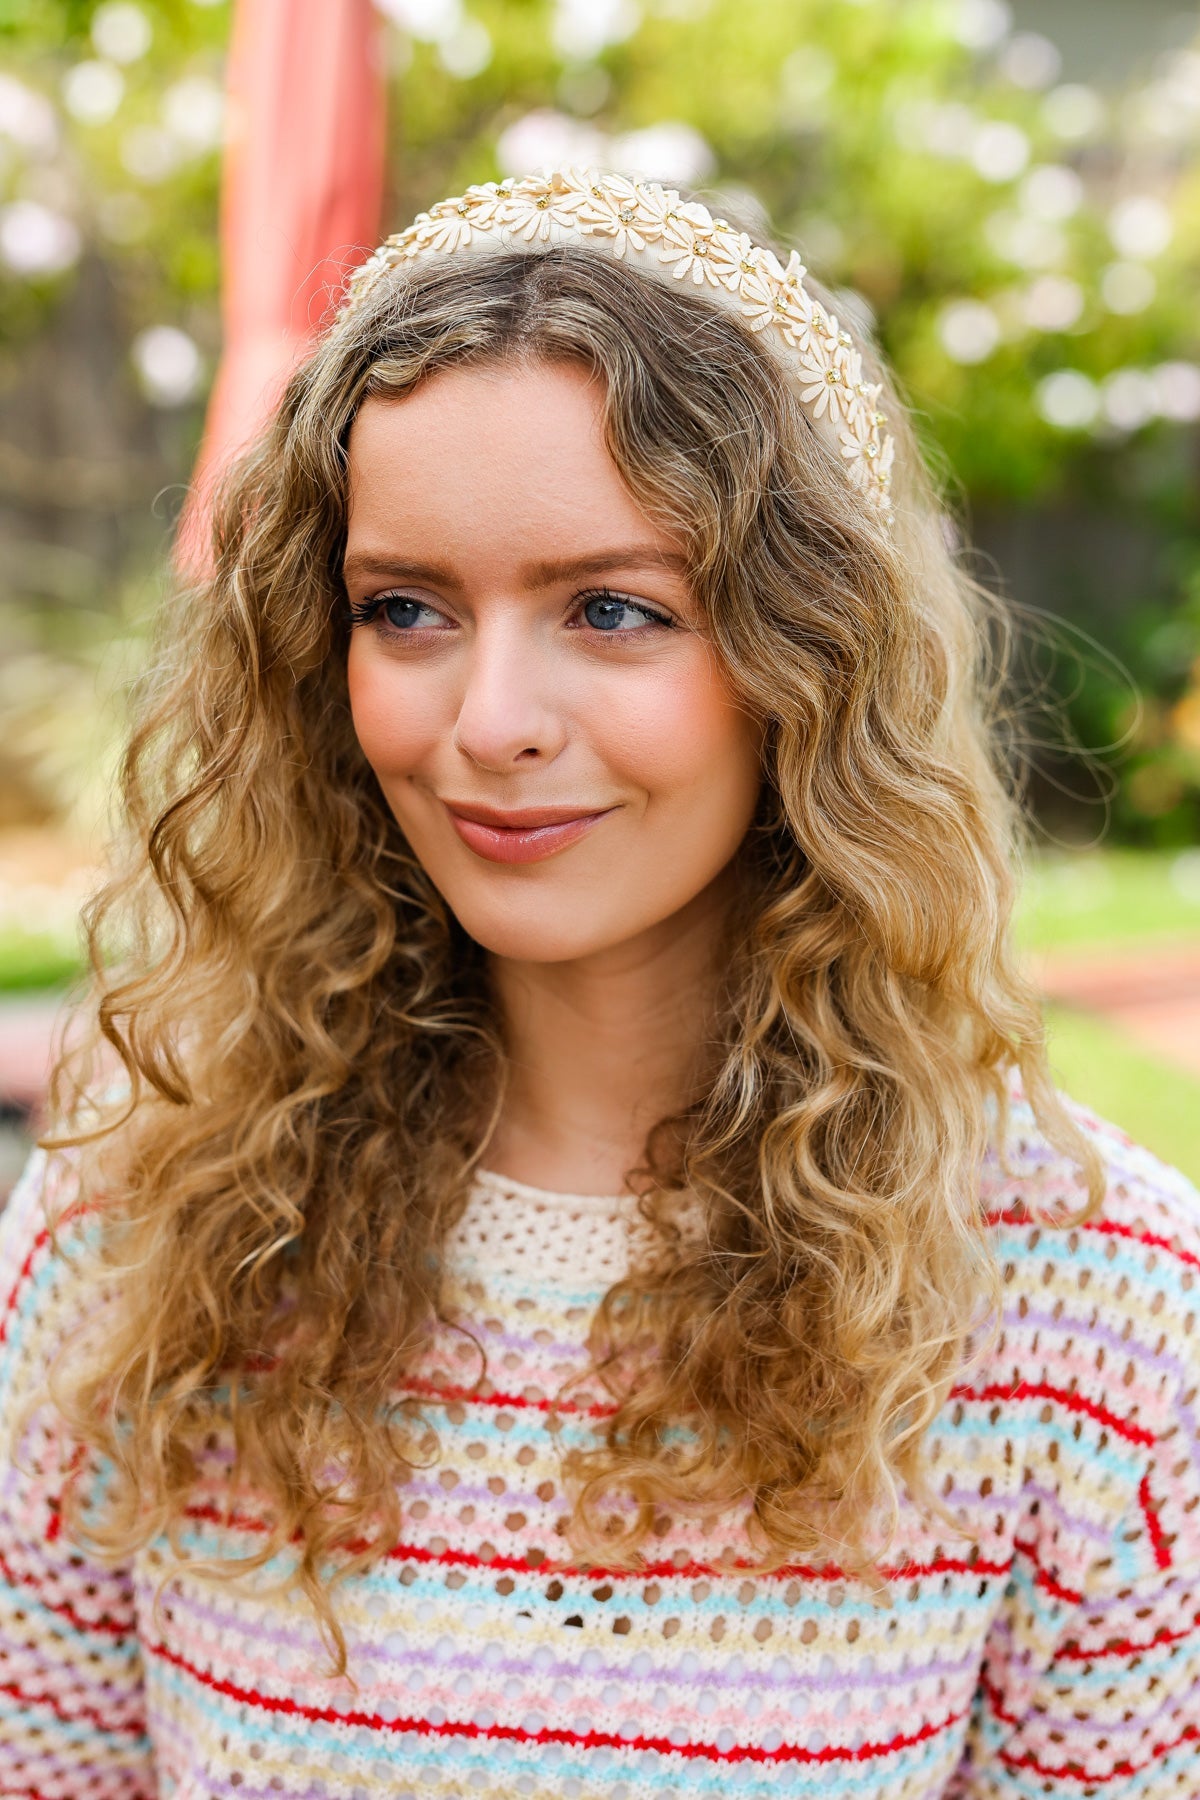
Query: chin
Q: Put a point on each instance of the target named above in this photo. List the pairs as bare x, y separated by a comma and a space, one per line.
522, 931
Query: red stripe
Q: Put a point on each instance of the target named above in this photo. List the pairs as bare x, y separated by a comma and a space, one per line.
1044, 1579
84, 1713
577, 1740
995, 1701
1023, 1390
1042, 1390
1076, 1771
1162, 1550
666, 1571
1111, 1228
77, 1210
1015, 1215
34, 1584
517, 1402
23, 1273
1126, 1646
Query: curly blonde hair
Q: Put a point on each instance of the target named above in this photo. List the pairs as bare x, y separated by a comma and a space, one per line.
312, 1054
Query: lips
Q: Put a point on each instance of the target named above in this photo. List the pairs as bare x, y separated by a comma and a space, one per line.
523, 834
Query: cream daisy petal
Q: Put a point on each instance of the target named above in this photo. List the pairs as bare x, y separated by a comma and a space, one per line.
613, 209
796, 316
533, 216
729, 250
746, 263
759, 300
686, 219
655, 205
691, 259
852, 369
449, 234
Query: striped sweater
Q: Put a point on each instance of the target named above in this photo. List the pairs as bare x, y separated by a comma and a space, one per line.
1057, 1652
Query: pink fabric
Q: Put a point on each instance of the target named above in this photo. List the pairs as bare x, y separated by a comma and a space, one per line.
300, 204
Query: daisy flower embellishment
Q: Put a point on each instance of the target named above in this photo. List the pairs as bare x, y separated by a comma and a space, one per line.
860, 446
762, 302
536, 206
613, 209
823, 386
737, 260
687, 244
451, 225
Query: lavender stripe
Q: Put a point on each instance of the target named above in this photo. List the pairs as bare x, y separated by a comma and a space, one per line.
467, 1662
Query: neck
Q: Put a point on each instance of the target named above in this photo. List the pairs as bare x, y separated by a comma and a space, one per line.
602, 1047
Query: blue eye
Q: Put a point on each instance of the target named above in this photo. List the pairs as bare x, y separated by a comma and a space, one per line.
609, 612
403, 613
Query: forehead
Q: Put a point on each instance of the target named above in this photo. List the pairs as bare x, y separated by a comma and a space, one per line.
490, 445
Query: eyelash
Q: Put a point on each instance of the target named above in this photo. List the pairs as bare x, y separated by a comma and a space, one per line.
363, 612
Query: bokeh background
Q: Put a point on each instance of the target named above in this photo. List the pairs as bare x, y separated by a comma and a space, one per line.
1007, 194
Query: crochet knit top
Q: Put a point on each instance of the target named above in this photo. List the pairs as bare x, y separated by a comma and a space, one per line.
1054, 1652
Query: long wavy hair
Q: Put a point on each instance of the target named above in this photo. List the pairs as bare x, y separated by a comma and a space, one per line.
311, 1050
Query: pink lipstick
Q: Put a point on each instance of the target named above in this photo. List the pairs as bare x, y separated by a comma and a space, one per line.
522, 835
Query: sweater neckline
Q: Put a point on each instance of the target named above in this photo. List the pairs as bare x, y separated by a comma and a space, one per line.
598, 1205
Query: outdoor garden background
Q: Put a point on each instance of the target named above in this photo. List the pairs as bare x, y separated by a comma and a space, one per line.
1009, 195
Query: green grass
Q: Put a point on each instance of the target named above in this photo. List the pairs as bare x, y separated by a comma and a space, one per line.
32, 960
1155, 1102
1120, 897
1119, 900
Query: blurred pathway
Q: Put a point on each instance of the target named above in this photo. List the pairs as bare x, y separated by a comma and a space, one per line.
1151, 993
26, 1033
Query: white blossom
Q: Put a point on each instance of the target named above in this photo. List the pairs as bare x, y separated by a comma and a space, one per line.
981, 24
582, 28
1140, 227
999, 150
1052, 192
121, 31
35, 240
466, 51
1052, 303
547, 139
1068, 399
26, 118
1073, 112
193, 111
666, 152
969, 330
1030, 60
92, 91
168, 363
1127, 287
1128, 400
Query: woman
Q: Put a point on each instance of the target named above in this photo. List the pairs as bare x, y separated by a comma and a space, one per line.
586, 1286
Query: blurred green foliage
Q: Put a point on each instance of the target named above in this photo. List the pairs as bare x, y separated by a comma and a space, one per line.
1026, 248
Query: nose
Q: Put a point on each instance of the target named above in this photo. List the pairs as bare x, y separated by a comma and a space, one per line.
506, 715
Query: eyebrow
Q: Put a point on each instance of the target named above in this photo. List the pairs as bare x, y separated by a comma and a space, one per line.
539, 574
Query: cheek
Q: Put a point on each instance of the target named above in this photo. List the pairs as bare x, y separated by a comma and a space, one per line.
681, 735
395, 720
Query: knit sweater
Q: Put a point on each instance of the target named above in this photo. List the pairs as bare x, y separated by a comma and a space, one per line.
1057, 1652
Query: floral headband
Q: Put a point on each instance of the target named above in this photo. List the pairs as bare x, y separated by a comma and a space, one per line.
649, 227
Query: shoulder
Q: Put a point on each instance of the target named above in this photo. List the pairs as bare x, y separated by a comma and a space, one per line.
1146, 1231
50, 1242
1099, 1337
